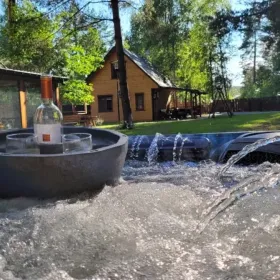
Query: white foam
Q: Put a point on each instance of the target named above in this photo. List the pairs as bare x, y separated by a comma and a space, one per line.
146, 228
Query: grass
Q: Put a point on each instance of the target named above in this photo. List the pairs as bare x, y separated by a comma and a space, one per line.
257, 122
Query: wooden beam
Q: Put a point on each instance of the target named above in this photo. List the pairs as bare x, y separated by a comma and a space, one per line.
16, 77
57, 96
22, 103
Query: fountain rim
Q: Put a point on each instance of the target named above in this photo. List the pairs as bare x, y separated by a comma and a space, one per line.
121, 141
206, 133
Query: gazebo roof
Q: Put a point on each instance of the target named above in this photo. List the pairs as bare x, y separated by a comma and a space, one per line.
189, 90
26, 74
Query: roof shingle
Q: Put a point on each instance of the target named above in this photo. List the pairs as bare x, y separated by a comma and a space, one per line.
145, 66
150, 70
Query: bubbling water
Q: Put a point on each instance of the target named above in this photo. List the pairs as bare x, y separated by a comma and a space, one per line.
147, 228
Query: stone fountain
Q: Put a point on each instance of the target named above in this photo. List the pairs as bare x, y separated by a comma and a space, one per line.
59, 175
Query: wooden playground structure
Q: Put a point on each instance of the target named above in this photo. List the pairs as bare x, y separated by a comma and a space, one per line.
189, 105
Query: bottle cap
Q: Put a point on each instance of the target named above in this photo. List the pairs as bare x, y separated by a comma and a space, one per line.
46, 86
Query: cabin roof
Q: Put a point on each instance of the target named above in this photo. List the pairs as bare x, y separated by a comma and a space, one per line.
150, 70
146, 67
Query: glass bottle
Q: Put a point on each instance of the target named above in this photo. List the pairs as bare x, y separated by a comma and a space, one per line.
48, 118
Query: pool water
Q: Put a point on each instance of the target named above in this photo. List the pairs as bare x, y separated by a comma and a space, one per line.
164, 221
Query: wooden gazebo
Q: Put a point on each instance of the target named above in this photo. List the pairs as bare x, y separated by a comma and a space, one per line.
15, 83
192, 97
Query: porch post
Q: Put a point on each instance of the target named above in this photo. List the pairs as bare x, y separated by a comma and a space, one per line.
200, 104
192, 106
22, 103
196, 105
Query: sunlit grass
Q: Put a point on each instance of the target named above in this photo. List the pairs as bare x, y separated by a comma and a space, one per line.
258, 122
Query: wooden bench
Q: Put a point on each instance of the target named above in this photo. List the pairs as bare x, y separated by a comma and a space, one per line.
80, 119
72, 119
89, 120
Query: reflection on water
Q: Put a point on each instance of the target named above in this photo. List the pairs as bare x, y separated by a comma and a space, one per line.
146, 228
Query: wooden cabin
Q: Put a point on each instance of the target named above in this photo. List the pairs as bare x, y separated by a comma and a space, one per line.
148, 89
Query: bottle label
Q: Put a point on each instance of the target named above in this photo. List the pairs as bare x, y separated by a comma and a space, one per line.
48, 133
46, 138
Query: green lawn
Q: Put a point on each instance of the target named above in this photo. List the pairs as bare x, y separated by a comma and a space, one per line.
261, 121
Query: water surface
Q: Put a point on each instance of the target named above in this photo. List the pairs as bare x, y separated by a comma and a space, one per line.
165, 221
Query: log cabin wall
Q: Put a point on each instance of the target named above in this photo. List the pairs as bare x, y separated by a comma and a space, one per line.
139, 83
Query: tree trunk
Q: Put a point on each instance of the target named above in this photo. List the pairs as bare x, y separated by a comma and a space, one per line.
255, 48
255, 59
127, 115
11, 4
211, 111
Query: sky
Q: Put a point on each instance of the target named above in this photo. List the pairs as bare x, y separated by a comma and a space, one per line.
234, 65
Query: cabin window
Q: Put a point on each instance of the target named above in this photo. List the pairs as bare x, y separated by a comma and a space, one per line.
105, 103
114, 70
139, 101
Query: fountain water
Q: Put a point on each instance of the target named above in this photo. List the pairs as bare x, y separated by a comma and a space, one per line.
169, 148
145, 229
178, 136
134, 144
248, 149
250, 185
182, 146
148, 227
153, 149
142, 137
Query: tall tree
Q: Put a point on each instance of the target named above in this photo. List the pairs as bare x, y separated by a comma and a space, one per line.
91, 19
11, 5
26, 41
174, 36
63, 43
221, 31
121, 66
201, 53
259, 25
80, 59
251, 27
157, 30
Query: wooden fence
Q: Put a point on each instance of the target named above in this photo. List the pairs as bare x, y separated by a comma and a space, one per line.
251, 104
